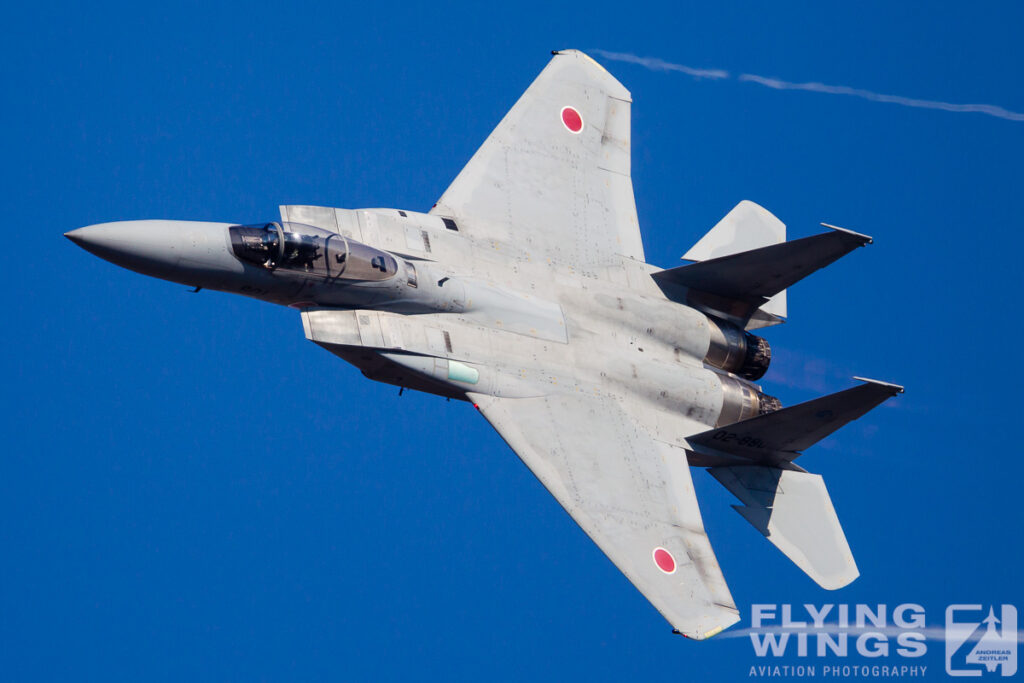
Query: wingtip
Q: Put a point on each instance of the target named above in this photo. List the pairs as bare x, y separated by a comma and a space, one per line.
896, 388
699, 636
615, 88
842, 579
696, 631
864, 239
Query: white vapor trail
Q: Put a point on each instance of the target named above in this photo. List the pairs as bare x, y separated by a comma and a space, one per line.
656, 64
990, 109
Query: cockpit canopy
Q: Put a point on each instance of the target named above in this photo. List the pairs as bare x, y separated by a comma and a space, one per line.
312, 250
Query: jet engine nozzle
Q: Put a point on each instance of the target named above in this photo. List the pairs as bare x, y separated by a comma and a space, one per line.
742, 401
738, 352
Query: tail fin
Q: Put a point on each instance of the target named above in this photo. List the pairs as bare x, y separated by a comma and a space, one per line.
791, 507
748, 226
744, 266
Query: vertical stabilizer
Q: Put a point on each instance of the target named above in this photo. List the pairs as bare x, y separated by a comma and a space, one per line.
748, 226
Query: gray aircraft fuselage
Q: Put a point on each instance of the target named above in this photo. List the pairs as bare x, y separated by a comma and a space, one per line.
525, 291
617, 334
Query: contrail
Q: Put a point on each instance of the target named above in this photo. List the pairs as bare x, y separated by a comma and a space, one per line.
990, 109
655, 64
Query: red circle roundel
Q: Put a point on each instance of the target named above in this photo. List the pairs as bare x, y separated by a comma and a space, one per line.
572, 119
664, 560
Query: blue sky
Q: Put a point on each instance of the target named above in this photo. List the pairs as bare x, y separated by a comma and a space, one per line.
189, 489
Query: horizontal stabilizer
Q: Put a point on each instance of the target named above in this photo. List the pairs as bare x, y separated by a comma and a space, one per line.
738, 284
781, 436
794, 512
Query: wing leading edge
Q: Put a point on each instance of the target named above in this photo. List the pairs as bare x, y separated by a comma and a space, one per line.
629, 492
554, 176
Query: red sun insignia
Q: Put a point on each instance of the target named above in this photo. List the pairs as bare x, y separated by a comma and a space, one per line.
572, 119
664, 560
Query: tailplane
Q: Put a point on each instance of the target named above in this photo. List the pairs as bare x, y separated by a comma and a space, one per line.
793, 510
744, 265
779, 437
788, 505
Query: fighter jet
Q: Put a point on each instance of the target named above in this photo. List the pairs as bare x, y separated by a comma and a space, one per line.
524, 291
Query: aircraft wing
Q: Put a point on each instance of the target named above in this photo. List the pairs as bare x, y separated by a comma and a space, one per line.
629, 492
554, 176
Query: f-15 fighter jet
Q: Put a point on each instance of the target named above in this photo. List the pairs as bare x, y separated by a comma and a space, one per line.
524, 291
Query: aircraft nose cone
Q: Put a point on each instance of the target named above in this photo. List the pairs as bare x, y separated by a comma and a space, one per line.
139, 245
172, 250
79, 236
